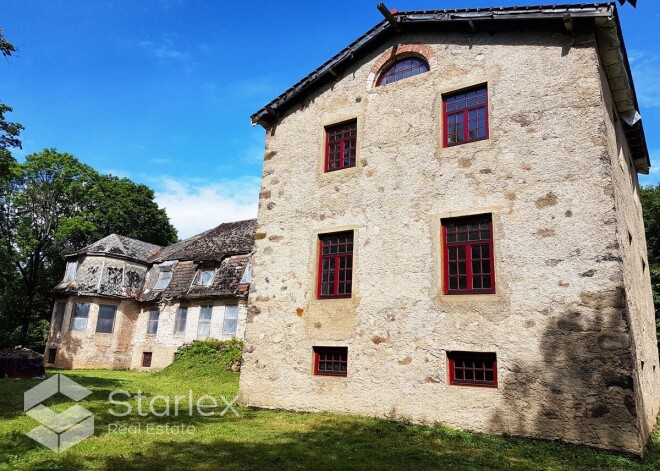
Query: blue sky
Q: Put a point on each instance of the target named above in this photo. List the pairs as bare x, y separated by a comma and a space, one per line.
161, 91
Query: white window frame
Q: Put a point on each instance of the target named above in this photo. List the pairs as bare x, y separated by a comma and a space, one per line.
114, 318
152, 324
72, 327
204, 324
200, 281
70, 272
180, 320
164, 278
230, 315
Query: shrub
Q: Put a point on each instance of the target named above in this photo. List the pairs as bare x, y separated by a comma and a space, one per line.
206, 357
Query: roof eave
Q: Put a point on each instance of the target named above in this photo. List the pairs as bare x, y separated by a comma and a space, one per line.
269, 113
616, 65
603, 14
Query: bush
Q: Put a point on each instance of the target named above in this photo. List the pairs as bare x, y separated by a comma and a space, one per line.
206, 357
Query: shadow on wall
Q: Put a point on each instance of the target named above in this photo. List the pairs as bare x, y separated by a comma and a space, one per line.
67, 350
582, 391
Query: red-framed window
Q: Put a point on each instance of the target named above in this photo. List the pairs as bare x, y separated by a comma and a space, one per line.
335, 265
469, 265
331, 361
473, 369
340, 146
465, 116
401, 69
146, 359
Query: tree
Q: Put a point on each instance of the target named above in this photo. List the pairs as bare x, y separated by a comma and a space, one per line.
6, 48
55, 205
650, 197
120, 205
8, 131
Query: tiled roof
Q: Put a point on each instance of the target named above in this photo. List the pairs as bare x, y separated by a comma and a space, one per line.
119, 245
225, 249
226, 281
230, 238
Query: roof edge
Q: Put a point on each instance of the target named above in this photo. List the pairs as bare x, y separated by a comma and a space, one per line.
466, 15
606, 20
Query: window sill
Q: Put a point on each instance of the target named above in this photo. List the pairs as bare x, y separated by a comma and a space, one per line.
476, 386
330, 298
448, 145
340, 171
481, 297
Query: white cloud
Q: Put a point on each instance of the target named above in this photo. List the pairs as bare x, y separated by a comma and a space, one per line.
645, 69
164, 49
194, 208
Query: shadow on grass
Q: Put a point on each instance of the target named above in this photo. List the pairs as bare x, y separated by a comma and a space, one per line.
337, 443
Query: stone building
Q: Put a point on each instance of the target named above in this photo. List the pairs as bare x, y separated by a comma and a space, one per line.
124, 303
449, 230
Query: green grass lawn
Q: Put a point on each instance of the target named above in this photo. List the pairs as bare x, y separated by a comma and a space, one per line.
270, 439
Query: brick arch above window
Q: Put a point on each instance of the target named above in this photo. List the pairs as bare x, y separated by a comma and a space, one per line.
396, 53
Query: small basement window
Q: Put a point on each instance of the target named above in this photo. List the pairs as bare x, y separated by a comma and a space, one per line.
146, 359
331, 361
472, 369
340, 146
401, 69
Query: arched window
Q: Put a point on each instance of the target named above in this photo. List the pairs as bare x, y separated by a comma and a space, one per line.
401, 69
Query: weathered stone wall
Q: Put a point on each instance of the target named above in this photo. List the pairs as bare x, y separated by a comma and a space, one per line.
636, 277
558, 322
123, 348
90, 349
164, 344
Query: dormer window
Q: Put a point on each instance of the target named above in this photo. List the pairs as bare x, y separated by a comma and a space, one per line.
70, 273
164, 278
164, 275
401, 69
205, 277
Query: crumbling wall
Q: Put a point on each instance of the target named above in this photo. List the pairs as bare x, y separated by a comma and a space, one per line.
558, 321
90, 349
